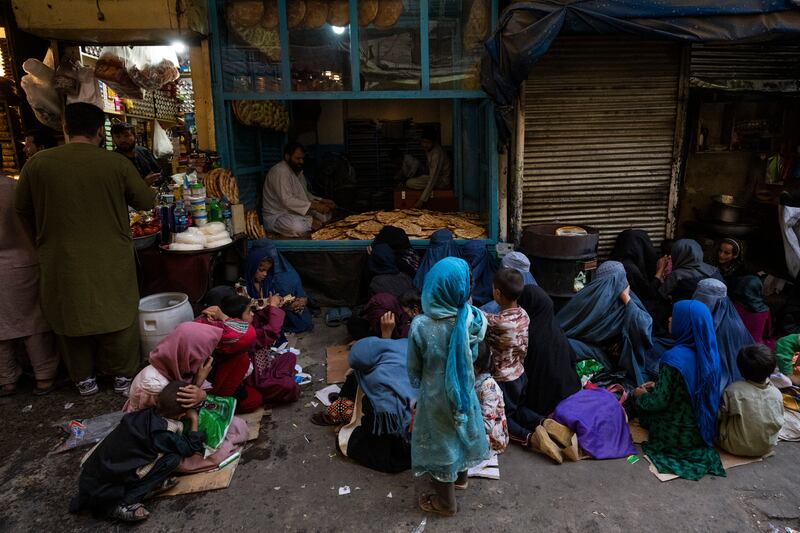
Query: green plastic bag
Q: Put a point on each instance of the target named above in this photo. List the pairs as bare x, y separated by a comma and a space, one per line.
215, 418
588, 367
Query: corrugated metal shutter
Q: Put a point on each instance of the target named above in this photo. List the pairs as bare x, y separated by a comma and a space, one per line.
772, 66
599, 129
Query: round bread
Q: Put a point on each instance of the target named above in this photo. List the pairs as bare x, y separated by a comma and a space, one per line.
367, 10
389, 217
316, 14
247, 13
270, 19
295, 13
338, 13
389, 12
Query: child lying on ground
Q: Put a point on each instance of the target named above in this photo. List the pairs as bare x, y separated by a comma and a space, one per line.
136, 459
491, 399
751, 411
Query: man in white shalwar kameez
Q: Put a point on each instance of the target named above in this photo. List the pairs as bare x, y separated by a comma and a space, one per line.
289, 208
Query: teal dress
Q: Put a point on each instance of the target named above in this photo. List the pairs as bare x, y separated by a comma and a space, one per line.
438, 446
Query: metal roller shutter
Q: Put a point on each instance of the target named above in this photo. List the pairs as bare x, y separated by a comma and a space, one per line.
600, 126
772, 66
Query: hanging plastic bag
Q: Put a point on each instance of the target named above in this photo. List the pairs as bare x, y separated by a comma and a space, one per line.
41, 93
88, 89
111, 68
66, 78
152, 67
162, 145
215, 418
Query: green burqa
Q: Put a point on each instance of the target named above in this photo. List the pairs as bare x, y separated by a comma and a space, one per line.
76, 199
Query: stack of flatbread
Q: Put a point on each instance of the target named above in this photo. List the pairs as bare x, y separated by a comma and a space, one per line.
417, 223
254, 229
220, 182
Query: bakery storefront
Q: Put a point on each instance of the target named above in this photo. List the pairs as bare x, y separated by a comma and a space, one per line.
357, 83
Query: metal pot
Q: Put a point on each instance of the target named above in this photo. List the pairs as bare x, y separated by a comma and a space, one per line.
726, 208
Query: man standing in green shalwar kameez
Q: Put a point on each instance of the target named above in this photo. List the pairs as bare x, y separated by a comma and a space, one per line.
75, 198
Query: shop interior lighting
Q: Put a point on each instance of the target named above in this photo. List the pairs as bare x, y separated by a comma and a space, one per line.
179, 47
338, 30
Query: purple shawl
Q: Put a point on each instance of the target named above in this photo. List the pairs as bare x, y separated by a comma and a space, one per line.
598, 420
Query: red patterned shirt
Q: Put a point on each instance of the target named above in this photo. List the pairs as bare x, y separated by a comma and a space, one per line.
507, 336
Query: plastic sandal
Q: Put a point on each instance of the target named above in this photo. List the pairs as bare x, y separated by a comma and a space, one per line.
345, 313
332, 318
128, 513
426, 504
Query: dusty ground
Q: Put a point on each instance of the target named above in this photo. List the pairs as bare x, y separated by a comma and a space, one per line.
287, 483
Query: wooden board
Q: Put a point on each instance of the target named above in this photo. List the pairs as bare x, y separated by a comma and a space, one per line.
203, 481
253, 423
337, 363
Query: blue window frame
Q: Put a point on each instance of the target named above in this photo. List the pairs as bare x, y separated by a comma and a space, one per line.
451, 30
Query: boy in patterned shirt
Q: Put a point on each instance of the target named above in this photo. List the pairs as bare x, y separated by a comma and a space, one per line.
507, 337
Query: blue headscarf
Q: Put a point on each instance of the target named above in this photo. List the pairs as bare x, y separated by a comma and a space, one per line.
382, 260
731, 333
381, 369
483, 267
445, 295
442, 245
281, 279
596, 315
520, 262
696, 357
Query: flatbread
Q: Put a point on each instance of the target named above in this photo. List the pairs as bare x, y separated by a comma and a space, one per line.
367, 10
358, 236
295, 13
327, 234
469, 233
409, 227
389, 12
387, 218
338, 12
370, 226
357, 219
316, 14
270, 19
431, 221
247, 13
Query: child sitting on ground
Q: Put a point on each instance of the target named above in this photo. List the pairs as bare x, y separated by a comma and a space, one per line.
751, 411
787, 350
136, 459
491, 399
232, 360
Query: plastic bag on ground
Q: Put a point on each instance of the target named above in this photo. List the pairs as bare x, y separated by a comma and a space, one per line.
41, 94
215, 418
86, 431
162, 145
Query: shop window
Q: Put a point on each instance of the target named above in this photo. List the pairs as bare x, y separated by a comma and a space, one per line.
251, 47
389, 45
456, 31
319, 51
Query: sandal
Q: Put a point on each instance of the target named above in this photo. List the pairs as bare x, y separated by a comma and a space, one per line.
167, 484
332, 318
130, 513
322, 419
37, 391
461, 487
426, 504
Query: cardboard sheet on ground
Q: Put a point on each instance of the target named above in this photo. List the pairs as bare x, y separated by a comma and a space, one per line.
489, 469
253, 423
639, 435
204, 481
322, 394
337, 363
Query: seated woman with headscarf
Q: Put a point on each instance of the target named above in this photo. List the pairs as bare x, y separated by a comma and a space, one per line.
185, 355
385, 276
731, 333
406, 258
385, 311
482, 266
519, 262
748, 298
635, 251
378, 434
441, 245
680, 409
607, 322
268, 273
729, 259
688, 269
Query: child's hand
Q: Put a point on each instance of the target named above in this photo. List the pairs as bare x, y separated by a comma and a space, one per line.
387, 325
275, 300
214, 313
204, 371
299, 305
190, 396
625, 295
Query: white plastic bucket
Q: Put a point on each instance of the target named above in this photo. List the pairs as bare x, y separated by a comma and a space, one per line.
159, 315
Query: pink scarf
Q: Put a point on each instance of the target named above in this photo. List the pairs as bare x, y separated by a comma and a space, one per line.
181, 354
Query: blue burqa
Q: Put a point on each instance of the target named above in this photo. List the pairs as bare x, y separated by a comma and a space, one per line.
519, 262
442, 245
596, 319
483, 267
282, 279
731, 333
696, 357
448, 436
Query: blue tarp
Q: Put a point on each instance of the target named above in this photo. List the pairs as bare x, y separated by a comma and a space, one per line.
527, 29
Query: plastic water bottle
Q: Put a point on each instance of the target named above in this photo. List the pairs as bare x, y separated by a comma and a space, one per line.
181, 220
225, 207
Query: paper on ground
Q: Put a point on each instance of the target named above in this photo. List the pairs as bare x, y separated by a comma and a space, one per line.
322, 394
489, 469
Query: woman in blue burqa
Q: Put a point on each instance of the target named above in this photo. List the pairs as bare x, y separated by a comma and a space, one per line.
607, 322
442, 245
483, 267
448, 437
268, 272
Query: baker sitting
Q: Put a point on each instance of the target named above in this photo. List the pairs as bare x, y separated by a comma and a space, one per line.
289, 208
438, 176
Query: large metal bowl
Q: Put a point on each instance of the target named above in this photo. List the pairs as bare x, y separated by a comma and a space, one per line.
726, 208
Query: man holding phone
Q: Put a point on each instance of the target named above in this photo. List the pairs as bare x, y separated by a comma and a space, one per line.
142, 158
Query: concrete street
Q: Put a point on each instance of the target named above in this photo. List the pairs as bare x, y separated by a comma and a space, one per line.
285, 483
